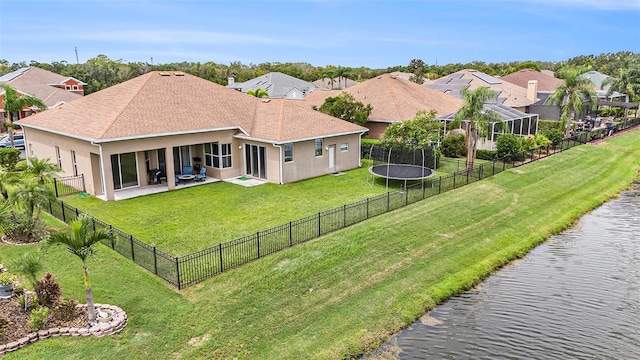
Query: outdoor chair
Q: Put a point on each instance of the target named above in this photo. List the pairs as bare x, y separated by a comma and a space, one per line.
202, 174
187, 170
177, 180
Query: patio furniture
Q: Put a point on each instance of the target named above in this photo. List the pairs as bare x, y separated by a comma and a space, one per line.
187, 170
186, 177
202, 175
177, 180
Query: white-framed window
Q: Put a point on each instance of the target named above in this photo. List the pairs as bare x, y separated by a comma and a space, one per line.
344, 146
58, 158
75, 87
74, 163
288, 152
67, 87
217, 155
318, 147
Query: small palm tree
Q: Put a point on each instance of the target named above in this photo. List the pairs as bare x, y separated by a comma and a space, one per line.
259, 93
80, 239
342, 73
32, 195
42, 169
473, 112
572, 96
13, 103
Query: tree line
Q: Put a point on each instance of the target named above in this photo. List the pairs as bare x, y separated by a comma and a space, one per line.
101, 72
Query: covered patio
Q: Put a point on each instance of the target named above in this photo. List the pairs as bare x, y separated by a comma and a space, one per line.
133, 192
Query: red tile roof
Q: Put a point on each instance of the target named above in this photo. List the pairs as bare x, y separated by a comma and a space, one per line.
172, 102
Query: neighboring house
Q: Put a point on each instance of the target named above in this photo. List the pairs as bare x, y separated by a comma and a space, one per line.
277, 84
393, 99
53, 89
522, 77
508, 93
338, 83
596, 79
163, 120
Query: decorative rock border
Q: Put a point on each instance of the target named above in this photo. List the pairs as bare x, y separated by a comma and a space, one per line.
99, 329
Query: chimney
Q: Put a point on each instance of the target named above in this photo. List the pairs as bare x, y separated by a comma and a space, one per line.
231, 81
532, 90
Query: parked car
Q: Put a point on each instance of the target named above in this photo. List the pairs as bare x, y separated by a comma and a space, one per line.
18, 141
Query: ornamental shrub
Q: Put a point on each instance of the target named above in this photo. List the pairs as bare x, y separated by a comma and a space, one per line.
9, 158
48, 290
509, 147
38, 318
453, 146
486, 154
554, 135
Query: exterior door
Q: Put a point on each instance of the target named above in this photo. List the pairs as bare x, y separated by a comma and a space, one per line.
255, 158
125, 170
332, 158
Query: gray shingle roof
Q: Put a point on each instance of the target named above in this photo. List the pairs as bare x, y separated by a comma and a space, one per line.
278, 85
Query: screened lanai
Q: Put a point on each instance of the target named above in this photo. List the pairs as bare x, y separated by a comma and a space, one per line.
512, 121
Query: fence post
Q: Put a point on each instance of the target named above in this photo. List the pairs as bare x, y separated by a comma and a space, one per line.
50, 208
290, 234
480, 171
440, 185
367, 208
77, 214
388, 201
406, 196
258, 241
178, 271
64, 217
424, 189
84, 189
220, 252
55, 186
344, 215
454, 180
319, 228
155, 261
133, 255
468, 171
113, 243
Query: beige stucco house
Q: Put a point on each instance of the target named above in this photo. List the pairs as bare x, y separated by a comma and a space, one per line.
393, 99
168, 120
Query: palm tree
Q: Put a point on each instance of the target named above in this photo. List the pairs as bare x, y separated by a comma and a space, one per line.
259, 93
42, 169
572, 96
80, 239
330, 74
342, 73
478, 118
13, 103
627, 82
33, 195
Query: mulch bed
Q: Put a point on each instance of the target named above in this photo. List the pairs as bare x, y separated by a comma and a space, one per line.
18, 320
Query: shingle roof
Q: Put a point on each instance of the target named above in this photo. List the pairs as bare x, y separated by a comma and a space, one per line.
596, 78
38, 82
393, 99
161, 103
509, 94
522, 77
276, 84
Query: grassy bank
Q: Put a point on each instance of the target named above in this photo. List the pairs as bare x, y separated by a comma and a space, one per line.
344, 293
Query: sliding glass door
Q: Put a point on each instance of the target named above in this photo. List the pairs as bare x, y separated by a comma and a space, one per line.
125, 170
256, 161
181, 158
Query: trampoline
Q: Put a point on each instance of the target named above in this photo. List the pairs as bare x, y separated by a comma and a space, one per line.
401, 172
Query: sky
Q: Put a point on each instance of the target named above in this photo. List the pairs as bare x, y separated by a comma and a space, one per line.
352, 33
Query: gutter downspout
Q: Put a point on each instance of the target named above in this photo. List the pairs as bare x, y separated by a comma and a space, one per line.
280, 164
360, 151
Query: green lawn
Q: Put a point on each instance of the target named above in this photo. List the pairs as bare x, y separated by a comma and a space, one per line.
346, 292
186, 220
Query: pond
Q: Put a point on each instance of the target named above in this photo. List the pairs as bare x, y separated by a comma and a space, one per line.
577, 296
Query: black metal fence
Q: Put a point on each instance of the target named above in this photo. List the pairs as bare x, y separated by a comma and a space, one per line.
69, 185
200, 265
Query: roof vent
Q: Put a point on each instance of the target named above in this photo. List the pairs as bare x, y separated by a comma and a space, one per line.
164, 74
178, 73
266, 100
